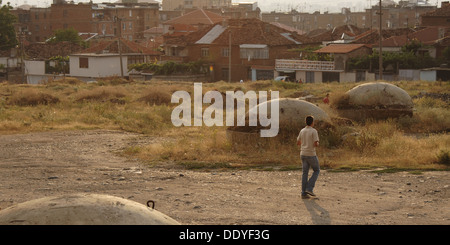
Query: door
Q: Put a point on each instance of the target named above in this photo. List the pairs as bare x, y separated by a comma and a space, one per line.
309, 77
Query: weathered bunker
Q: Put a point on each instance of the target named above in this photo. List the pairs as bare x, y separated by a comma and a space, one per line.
378, 100
83, 209
292, 114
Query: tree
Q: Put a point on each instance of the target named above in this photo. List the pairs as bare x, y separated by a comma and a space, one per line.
413, 46
7, 33
446, 55
67, 35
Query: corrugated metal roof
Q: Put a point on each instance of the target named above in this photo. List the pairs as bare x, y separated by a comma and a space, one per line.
215, 32
288, 36
253, 46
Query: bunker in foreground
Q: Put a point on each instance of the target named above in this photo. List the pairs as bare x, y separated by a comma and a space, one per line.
83, 209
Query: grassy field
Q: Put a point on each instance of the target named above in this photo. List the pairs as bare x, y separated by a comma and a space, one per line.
413, 143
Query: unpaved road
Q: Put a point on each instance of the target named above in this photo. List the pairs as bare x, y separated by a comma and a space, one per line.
36, 165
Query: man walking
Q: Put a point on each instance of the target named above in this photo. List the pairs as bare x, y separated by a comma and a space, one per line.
308, 139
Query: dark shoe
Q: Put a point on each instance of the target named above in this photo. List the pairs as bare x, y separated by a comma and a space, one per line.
305, 196
310, 193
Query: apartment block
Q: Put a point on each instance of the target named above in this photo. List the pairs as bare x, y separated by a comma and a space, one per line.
128, 20
189, 4
405, 14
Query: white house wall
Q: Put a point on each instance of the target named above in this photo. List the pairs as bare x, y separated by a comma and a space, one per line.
34, 67
428, 75
99, 66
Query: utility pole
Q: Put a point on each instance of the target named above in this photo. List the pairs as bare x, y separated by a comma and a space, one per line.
119, 31
120, 57
229, 55
381, 46
22, 54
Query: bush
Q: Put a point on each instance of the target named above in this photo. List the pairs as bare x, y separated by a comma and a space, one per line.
444, 157
429, 102
170, 68
32, 97
156, 96
101, 94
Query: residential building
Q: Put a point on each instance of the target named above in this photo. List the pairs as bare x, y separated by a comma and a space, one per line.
251, 46
190, 4
40, 25
192, 20
176, 28
308, 22
37, 65
428, 37
311, 71
437, 17
405, 14
109, 58
128, 20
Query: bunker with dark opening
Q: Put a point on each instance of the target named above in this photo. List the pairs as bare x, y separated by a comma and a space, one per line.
378, 100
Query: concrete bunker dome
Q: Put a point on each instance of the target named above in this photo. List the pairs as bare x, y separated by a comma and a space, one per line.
292, 114
293, 111
376, 100
83, 209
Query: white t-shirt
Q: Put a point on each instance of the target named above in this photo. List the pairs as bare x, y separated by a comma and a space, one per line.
308, 135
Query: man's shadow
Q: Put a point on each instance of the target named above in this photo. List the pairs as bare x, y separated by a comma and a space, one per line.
319, 215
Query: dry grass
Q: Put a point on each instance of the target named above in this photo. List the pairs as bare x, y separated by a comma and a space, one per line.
418, 142
101, 94
32, 97
157, 96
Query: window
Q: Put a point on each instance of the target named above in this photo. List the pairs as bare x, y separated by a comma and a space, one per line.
130, 25
205, 52
225, 52
225, 74
256, 51
135, 59
84, 62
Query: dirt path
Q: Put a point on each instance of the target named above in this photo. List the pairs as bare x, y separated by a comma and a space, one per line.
52, 163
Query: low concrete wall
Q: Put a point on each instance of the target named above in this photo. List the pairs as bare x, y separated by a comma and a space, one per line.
182, 78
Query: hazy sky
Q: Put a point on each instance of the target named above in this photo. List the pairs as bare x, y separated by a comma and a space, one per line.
265, 5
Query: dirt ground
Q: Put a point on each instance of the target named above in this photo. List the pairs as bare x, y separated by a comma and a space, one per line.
44, 164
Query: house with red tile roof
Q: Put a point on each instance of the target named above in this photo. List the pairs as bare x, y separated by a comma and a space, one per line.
250, 45
437, 17
428, 36
192, 21
343, 52
109, 58
38, 67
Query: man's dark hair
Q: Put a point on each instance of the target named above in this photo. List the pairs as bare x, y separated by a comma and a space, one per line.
309, 120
